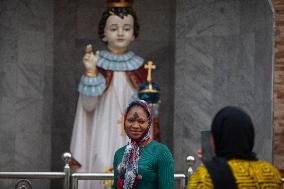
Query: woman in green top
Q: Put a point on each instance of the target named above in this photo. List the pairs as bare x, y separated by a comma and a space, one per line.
143, 163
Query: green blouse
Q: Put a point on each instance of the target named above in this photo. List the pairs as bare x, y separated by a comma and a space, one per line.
156, 166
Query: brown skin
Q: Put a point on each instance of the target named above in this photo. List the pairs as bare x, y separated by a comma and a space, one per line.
136, 123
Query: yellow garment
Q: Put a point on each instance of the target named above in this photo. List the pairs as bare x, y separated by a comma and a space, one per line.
248, 174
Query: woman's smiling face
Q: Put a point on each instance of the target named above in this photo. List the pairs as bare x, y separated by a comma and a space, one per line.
136, 123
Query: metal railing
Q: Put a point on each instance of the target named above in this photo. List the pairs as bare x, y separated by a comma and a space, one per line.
89, 176
24, 183
66, 176
182, 180
109, 176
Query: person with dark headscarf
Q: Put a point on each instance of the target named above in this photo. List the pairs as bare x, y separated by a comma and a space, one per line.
143, 163
234, 165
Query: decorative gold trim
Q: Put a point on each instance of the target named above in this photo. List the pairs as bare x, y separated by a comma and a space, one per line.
91, 73
117, 51
150, 90
119, 4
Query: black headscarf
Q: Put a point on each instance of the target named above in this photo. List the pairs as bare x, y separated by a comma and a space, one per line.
233, 134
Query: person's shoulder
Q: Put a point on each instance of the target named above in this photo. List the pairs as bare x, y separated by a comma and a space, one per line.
120, 151
161, 150
256, 170
258, 164
264, 166
159, 145
200, 179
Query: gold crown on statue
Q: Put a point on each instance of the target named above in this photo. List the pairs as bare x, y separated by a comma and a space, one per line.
119, 3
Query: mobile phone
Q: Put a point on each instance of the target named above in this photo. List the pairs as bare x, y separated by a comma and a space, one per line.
206, 146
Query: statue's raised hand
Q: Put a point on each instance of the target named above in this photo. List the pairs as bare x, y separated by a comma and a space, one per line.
90, 59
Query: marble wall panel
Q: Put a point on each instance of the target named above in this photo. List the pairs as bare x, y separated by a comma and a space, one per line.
30, 73
87, 22
64, 18
238, 82
261, 114
26, 43
154, 32
157, 5
32, 109
9, 80
263, 9
7, 146
25, 143
64, 86
91, 3
8, 32
249, 9
213, 19
264, 80
8, 45
222, 58
66, 3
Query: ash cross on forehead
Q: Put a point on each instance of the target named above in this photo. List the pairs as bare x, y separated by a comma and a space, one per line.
135, 116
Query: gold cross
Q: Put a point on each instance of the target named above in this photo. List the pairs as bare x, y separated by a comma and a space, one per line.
150, 65
120, 121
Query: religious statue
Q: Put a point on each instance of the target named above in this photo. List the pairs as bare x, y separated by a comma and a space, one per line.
110, 83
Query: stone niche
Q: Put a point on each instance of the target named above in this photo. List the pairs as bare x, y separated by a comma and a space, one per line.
209, 54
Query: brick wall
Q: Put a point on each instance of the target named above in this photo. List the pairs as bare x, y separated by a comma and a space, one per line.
279, 86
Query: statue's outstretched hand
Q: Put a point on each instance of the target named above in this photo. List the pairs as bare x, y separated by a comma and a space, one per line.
90, 59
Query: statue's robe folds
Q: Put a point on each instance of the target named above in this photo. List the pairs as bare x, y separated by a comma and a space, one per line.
98, 131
